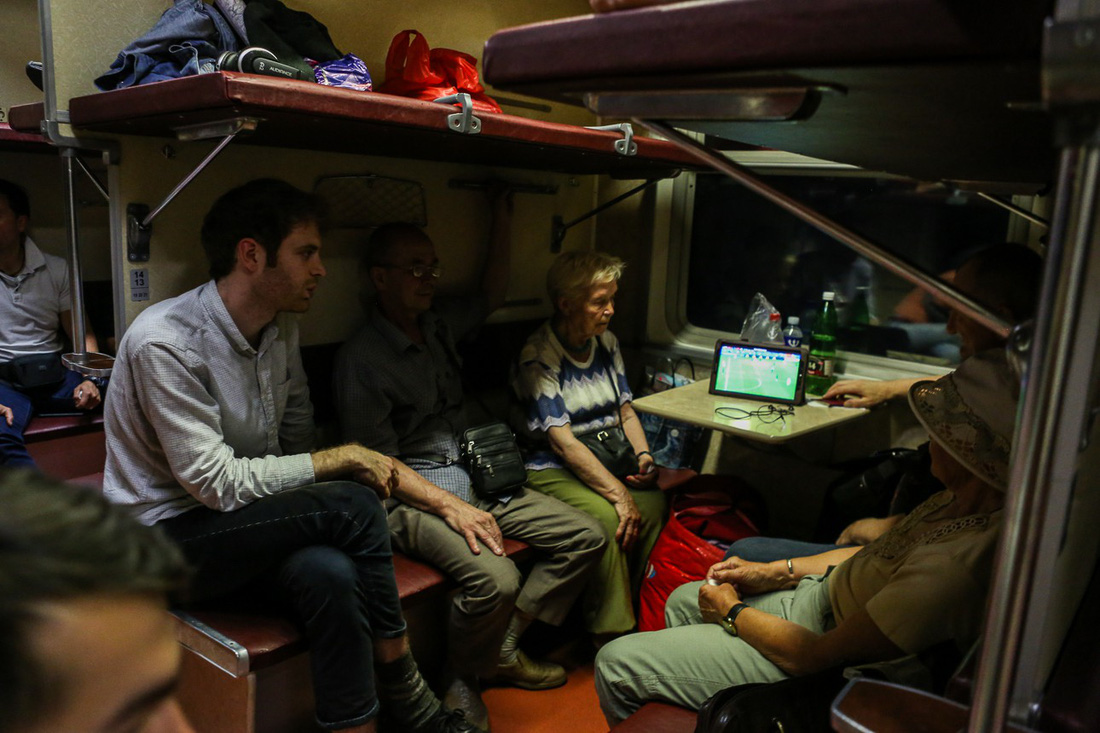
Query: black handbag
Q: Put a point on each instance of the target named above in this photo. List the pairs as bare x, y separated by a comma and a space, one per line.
795, 705
610, 445
493, 459
34, 370
613, 450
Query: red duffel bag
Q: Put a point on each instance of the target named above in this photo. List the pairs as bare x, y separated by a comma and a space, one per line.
682, 553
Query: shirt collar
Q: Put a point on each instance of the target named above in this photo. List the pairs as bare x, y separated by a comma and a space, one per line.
33, 259
394, 335
212, 302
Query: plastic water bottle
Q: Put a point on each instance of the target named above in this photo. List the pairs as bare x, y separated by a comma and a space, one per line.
792, 334
775, 328
819, 373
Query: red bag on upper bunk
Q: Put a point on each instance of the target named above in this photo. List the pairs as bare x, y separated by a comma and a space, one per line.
414, 71
682, 553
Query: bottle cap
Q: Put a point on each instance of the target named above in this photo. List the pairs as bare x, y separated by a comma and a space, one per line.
793, 320
774, 316
828, 295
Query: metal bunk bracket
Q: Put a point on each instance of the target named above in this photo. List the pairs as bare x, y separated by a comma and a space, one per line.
626, 146
462, 121
139, 219
897, 265
559, 228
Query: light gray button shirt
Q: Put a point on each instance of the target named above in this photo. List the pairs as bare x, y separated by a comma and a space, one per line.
196, 416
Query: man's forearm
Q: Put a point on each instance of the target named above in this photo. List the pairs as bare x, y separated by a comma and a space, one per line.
418, 492
335, 462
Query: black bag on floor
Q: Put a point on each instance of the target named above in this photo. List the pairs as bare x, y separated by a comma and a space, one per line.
795, 705
893, 481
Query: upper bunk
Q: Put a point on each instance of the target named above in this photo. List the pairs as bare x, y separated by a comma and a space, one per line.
299, 114
16, 141
931, 89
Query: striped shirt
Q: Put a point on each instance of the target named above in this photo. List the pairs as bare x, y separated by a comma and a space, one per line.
554, 389
196, 416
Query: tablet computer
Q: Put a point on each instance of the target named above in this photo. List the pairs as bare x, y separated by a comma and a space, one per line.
764, 372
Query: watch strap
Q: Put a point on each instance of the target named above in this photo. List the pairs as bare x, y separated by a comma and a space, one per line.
730, 619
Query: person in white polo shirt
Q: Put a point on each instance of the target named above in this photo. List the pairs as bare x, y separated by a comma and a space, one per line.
35, 308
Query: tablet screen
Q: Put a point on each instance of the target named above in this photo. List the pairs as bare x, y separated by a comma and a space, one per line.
765, 372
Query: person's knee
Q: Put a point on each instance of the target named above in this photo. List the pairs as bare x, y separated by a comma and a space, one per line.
494, 587
590, 536
321, 571
612, 670
681, 602
357, 502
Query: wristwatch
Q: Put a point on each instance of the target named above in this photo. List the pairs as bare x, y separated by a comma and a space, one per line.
728, 620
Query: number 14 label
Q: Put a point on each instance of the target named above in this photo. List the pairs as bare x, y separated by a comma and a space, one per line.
139, 285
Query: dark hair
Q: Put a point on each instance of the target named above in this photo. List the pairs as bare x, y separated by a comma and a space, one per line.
387, 238
1007, 276
266, 210
60, 542
17, 198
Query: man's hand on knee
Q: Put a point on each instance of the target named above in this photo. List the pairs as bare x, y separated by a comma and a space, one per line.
474, 524
6, 414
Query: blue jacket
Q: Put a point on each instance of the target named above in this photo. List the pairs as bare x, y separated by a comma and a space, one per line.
186, 40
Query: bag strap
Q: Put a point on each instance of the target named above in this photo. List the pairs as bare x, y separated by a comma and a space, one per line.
614, 380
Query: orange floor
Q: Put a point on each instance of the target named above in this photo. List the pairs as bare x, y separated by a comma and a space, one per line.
572, 708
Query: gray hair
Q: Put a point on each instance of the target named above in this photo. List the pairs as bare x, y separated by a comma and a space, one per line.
574, 273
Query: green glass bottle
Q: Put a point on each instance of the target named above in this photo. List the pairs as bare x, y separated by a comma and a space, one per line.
859, 320
819, 373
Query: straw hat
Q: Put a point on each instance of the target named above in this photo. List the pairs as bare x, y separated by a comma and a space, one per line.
972, 413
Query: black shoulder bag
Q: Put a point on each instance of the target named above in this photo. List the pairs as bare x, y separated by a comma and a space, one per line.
794, 705
610, 445
489, 452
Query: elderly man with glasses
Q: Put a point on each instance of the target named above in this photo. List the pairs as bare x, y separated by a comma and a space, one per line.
399, 390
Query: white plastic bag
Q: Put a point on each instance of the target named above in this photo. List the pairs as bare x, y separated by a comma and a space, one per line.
760, 327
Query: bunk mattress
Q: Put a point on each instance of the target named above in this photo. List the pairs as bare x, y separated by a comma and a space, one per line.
927, 88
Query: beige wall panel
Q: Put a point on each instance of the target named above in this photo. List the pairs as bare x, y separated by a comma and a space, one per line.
21, 43
457, 221
87, 36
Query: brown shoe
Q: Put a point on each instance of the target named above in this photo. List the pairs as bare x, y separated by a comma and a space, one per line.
465, 696
528, 674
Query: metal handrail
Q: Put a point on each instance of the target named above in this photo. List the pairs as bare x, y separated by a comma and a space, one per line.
892, 262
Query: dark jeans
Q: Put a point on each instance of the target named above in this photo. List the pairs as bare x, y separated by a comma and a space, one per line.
24, 403
327, 547
770, 549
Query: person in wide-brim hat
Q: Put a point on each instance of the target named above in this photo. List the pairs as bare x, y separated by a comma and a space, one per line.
921, 585
971, 414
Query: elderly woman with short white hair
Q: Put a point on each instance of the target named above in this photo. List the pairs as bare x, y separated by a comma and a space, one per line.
588, 447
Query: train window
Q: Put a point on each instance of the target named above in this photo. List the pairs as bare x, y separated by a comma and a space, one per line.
742, 244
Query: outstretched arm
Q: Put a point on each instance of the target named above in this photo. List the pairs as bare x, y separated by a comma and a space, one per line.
869, 392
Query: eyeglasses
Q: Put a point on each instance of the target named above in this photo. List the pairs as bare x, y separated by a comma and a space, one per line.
764, 413
418, 271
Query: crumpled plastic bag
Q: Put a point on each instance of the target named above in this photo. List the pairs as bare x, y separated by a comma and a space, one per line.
348, 72
759, 326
